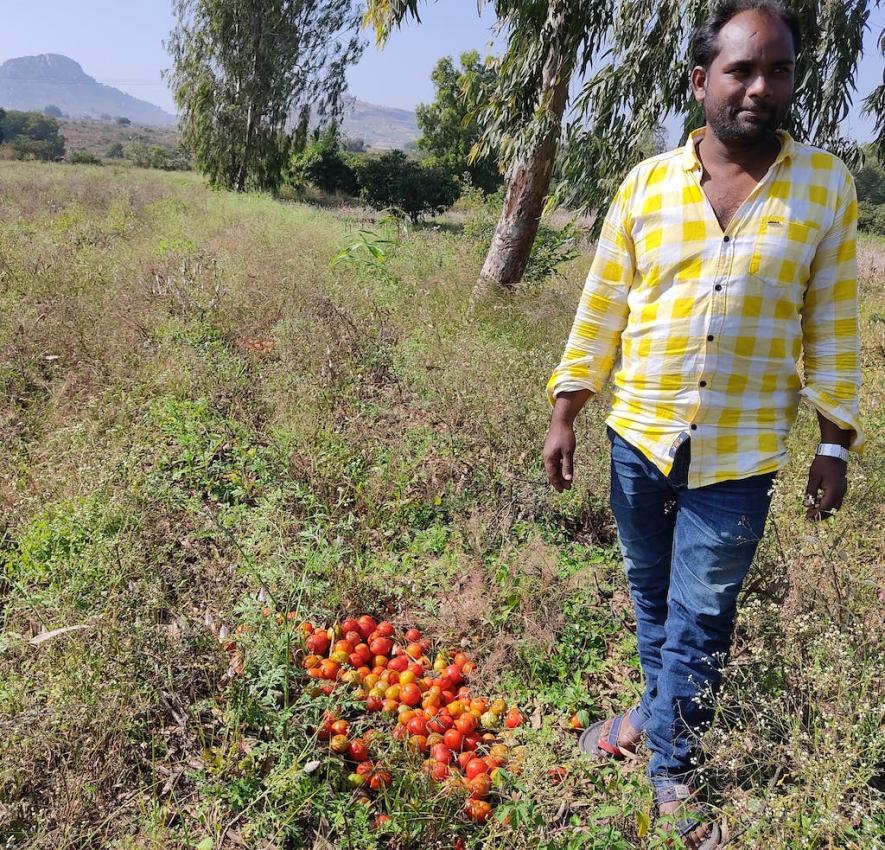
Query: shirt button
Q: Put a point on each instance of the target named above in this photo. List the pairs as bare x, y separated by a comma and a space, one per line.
703, 383
694, 427
710, 338
726, 239
718, 287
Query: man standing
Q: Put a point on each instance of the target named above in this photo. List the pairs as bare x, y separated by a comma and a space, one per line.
719, 264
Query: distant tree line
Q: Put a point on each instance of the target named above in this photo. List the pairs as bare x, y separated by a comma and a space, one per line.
31, 135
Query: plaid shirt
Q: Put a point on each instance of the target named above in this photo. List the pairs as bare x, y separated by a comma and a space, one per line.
711, 324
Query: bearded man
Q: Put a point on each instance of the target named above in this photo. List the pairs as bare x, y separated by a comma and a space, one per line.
720, 264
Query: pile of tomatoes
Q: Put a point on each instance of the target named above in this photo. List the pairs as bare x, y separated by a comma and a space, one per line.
434, 709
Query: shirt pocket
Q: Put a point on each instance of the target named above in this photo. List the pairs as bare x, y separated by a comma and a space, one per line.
783, 250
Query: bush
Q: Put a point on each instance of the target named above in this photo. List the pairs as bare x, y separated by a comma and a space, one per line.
323, 164
115, 151
148, 156
84, 158
413, 189
32, 135
871, 218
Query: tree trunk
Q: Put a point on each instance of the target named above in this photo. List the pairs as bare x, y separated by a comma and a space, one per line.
529, 176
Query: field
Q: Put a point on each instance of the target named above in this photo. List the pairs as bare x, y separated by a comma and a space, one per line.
198, 405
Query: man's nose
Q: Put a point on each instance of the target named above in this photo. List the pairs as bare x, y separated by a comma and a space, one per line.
759, 87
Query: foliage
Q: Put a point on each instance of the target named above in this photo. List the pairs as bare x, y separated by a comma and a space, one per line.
324, 164
393, 181
115, 151
83, 158
640, 75
449, 130
153, 156
240, 71
123, 121
53, 111
32, 135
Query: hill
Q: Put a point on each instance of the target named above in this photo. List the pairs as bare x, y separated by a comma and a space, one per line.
35, 82
382, 127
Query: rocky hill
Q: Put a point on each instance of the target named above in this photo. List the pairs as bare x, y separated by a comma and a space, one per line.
35, 82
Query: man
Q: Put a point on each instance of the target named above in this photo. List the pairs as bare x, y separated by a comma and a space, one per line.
719, 264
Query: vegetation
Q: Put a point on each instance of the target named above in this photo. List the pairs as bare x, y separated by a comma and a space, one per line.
201, 418
449, 129
393, 181
324, 163
639, 53
870, 181
240, 71
31, 135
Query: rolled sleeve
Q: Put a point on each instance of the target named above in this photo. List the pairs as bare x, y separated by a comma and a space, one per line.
602, 312
830, 334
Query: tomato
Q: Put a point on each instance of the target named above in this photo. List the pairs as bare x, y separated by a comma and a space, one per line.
366, 625
413, 635
379, 780
446, 720
381, 646
406, 716
340, 656
471, 741
492, 762
455, 708
477, 810
417, 726
444, 683
454, 674
389, 706
460, 659
385, 629
349, 625
440, 662
355, 780
380, 661
464, 758
474, 767
329, 670
575, 722
362, 649
439, 771
311, 661
500, 752
410, 694
307, 628
468, 668
339, 743
355, 659
358, 751
400, 663
453, 739
318, 643
434, 738
436, 724
513, 719
418, 743
489, 720
343, 646
465, 723
392, 693
479, 786
380, 821
414, 651
400, 733
441, 753
416, 668
353, 637
406, 677
339, 727
373, 703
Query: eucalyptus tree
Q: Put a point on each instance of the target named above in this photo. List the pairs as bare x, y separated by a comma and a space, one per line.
631, 59
246, 70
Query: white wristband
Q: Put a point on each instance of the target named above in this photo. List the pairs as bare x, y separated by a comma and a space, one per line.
832, 450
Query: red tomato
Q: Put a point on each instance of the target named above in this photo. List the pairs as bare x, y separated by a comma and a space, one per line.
410, 694
418, 743
380, 821
464, 758
460, 659
362, 649
366, 625
479, 786
475, 767
400, 733
413, 635
436, 724
453, 739
381, 646
453, 674
444, 683
471, 741
447, 697
358, 751
374, 703
355, 659
318, 643
417, 726
513, 719
353, 637
379, 780
439, 771
466, 723
478, 810
349, 625
400, 663
364, 767
385, 629
441, 753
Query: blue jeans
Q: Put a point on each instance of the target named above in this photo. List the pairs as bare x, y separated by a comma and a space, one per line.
686, 553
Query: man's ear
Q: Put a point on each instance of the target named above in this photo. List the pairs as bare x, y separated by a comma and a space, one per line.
698, 78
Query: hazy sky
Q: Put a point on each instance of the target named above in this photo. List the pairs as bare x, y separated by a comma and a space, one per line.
120, 43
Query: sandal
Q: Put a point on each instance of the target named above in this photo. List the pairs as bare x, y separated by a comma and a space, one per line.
590, 743
698, 815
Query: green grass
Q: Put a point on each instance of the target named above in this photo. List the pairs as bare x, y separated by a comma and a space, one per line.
196, 404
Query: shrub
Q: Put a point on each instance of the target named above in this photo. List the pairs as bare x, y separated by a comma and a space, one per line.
323, 164
32, 135
115, 151
84, 158
871, 217
409, 188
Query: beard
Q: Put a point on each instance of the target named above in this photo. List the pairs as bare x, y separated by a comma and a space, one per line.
741, 127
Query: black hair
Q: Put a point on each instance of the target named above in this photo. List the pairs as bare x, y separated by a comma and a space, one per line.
705, 39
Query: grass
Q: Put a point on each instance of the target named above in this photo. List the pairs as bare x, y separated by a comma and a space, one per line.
196, 405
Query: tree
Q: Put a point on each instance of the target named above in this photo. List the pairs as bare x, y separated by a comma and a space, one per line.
2, 123
53, 111
323, 164
392, 180
32, 135
123, 121
639, 51
449, 130
243, 67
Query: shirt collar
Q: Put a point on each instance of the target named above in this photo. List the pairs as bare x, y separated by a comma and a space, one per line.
690, 157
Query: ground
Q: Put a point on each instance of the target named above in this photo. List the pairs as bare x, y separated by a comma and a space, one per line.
197, 403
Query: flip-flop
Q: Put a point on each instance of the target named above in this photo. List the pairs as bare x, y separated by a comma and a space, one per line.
590, 744
699, 815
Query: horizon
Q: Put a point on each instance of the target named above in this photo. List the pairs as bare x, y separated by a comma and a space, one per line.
92, 34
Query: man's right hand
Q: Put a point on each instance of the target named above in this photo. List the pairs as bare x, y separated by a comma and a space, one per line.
559, 454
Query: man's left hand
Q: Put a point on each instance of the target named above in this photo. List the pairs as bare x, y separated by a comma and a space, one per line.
827, 485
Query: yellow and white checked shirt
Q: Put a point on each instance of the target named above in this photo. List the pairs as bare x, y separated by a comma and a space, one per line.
711, 324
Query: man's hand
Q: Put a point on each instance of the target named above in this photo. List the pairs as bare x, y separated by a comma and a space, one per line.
827, 485
559, 454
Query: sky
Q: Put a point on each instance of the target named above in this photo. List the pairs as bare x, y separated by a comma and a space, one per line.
120, 43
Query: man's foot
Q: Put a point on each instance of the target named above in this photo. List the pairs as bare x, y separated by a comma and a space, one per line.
615, 737
695, 829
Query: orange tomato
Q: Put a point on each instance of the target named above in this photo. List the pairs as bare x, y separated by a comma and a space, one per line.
479, 786
478, 811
